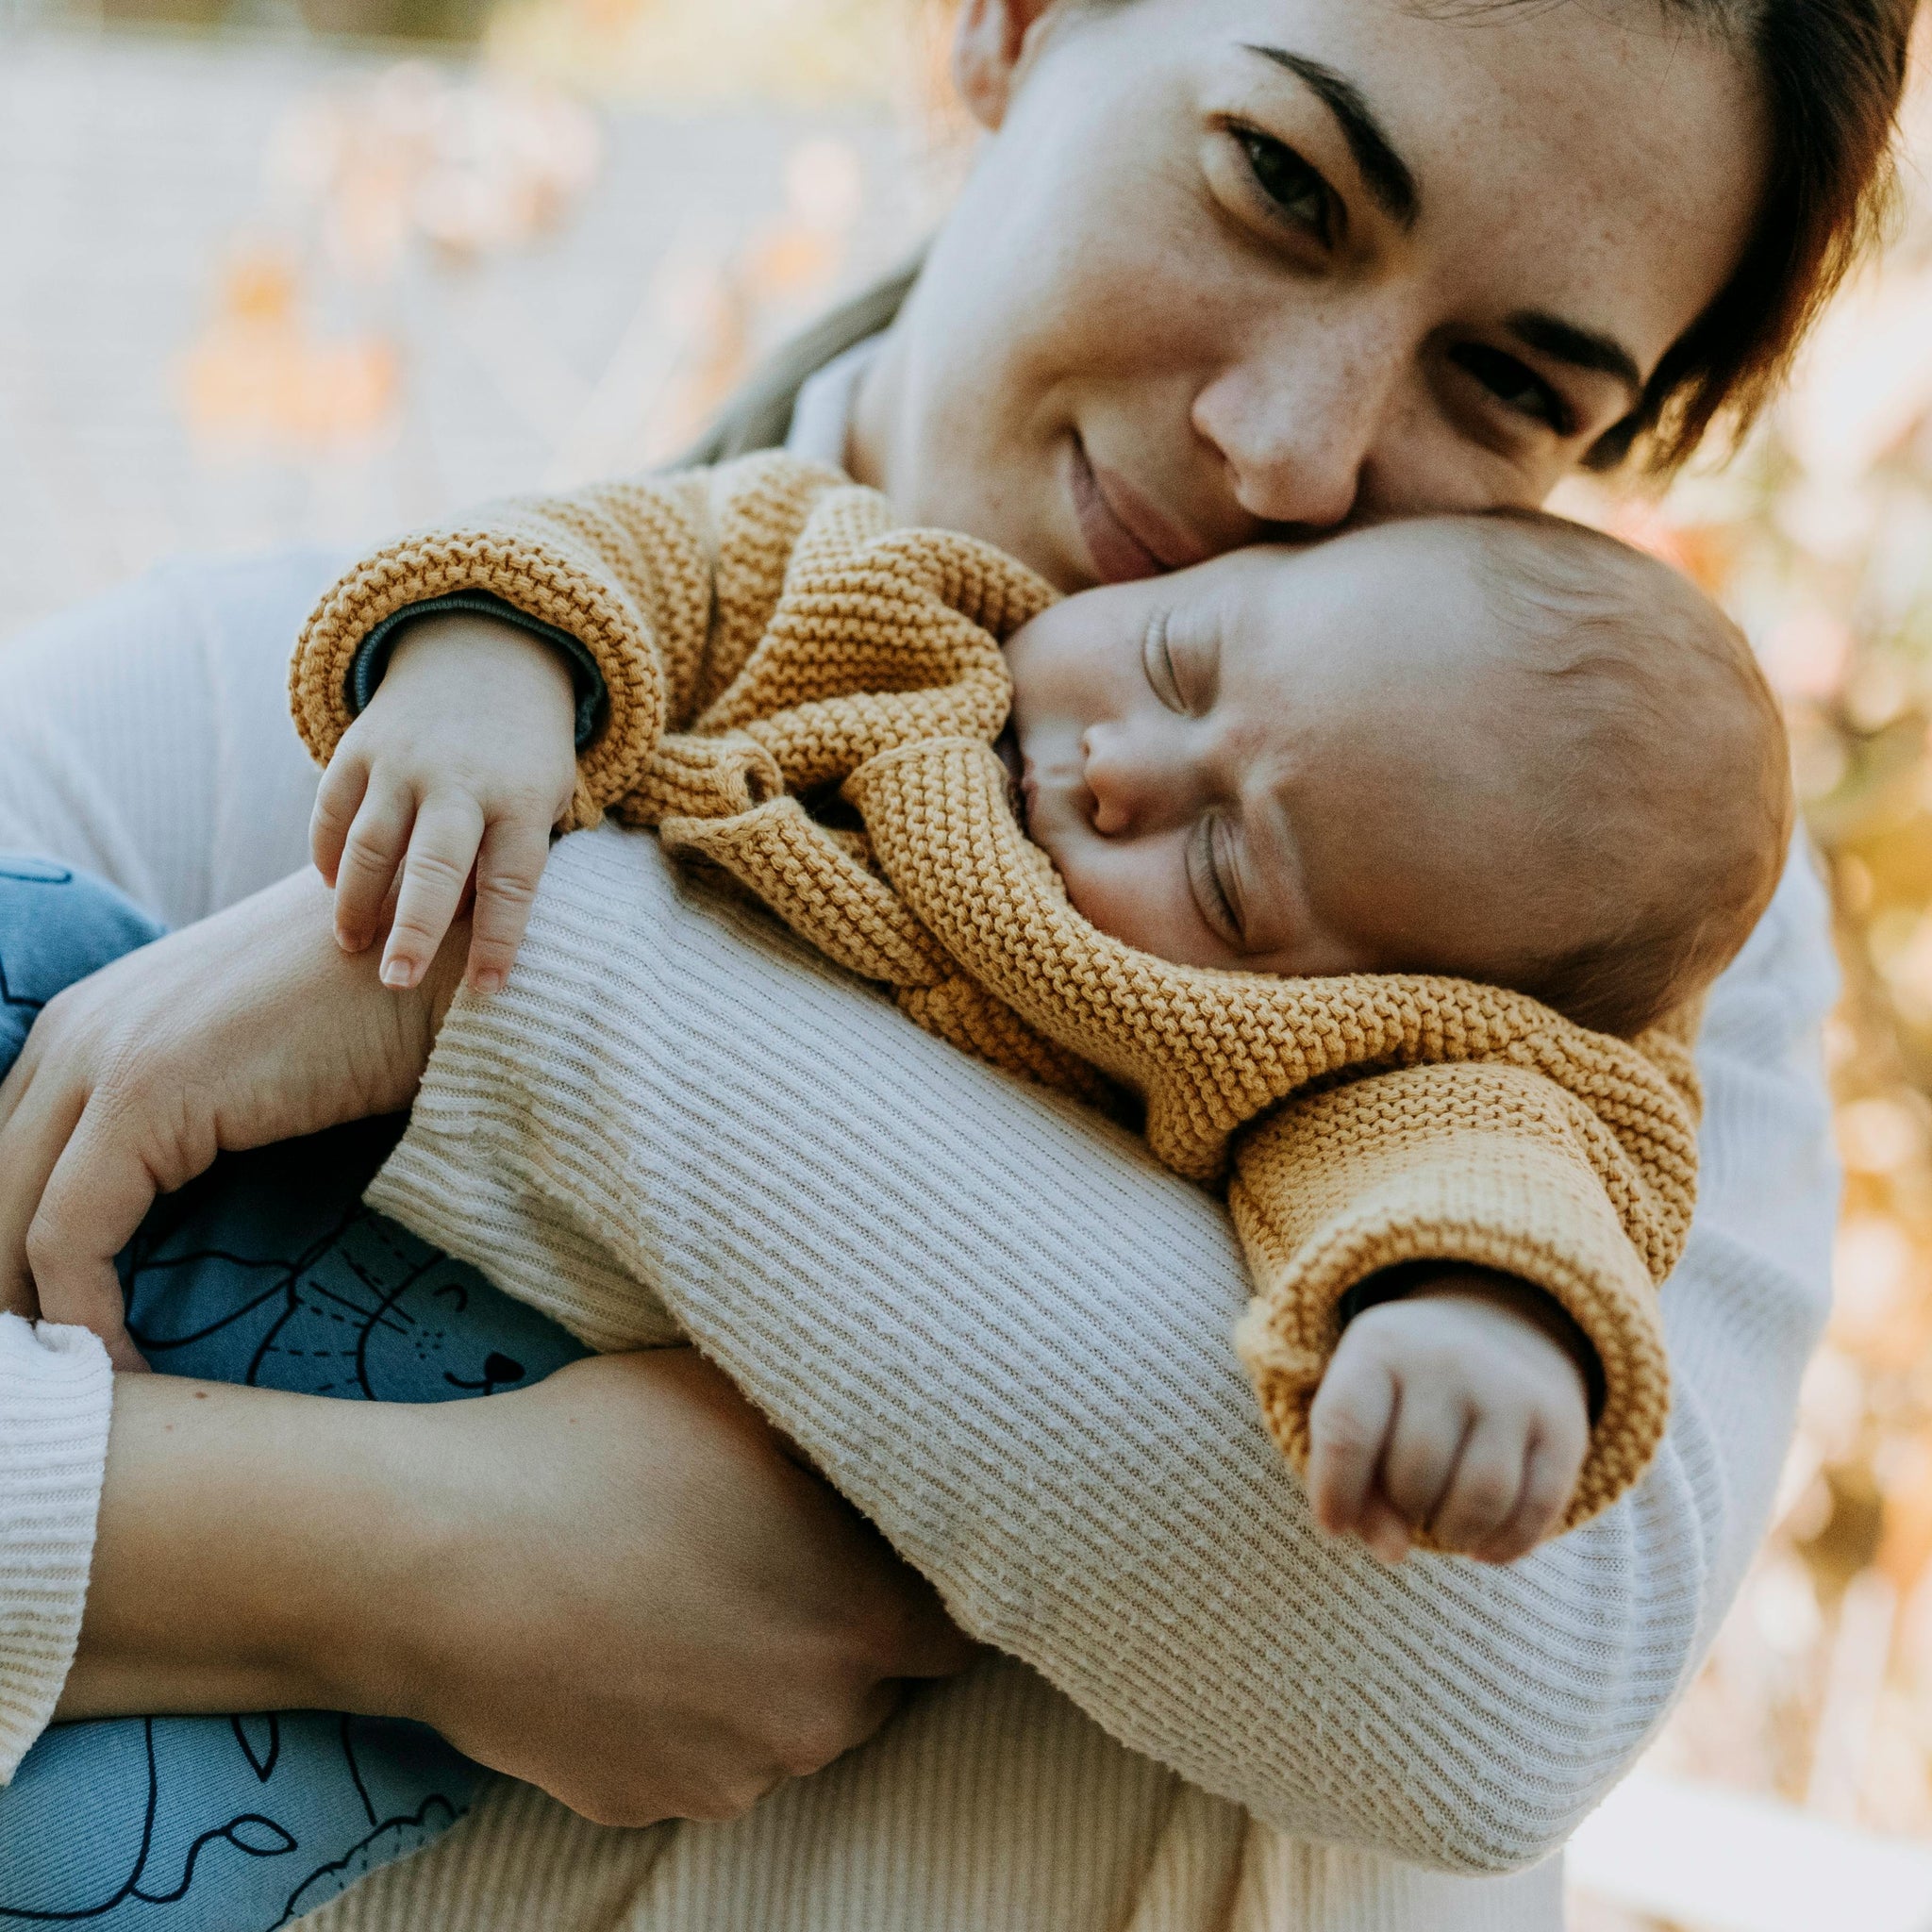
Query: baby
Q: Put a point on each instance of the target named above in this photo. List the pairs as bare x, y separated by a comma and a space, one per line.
1502, 747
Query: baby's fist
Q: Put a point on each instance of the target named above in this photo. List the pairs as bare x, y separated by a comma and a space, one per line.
1456, 1411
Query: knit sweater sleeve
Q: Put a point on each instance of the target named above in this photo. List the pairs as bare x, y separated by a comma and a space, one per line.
663, 583
1003, 1331
622, 568
1485, 1164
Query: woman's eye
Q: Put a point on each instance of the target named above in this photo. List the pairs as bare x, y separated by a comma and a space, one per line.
1515, 386
1296, 187
1156, 660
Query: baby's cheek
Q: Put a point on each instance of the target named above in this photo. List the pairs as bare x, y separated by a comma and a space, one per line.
1134, 892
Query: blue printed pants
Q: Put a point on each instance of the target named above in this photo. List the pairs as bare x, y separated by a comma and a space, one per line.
270, 1271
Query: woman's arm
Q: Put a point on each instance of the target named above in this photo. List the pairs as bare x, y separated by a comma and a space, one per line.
146, 738
258, 1551
1004, 1333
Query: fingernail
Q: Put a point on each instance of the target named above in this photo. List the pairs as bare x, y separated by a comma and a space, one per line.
489, 982
398, 973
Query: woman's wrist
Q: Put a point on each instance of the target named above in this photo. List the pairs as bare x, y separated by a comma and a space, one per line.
254, 1552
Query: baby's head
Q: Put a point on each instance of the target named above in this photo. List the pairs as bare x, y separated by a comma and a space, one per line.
1503, 747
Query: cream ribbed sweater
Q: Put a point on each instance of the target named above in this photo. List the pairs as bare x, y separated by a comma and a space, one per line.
1447, 1713
768, 630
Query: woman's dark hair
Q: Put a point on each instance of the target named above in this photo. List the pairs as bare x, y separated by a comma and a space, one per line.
1833, 73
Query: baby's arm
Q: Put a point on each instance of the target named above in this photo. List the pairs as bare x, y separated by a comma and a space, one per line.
457, 772
662, 584
1459, 1411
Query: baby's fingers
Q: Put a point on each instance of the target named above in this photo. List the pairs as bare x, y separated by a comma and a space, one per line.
442, 854
1485, 1486
515, 850
1549, 1482
1348, 1426
370, 857
337, 802
1425, 1446
1386, 1536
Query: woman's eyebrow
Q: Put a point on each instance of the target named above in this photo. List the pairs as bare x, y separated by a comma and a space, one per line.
1583, 348
1388, 177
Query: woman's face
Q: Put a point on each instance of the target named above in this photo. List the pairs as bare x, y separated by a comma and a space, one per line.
1238, 270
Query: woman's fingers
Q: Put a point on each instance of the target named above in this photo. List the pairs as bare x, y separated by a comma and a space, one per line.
38, 1113
99, 1190
442, 853
58, 1235
516, 848
249, 1028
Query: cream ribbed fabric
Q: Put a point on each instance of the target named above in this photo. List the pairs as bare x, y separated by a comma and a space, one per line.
56, 1394
606, 1121
144, 739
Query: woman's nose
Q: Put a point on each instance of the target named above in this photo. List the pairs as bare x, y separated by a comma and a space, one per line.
1299, 423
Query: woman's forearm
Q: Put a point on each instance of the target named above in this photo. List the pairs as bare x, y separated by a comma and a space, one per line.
245, 1538
614, 1584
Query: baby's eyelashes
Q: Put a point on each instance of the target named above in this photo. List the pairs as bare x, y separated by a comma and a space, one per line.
1156, 660
1180, 653
1215, 881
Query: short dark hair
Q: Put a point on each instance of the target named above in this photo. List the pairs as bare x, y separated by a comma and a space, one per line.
1833, 73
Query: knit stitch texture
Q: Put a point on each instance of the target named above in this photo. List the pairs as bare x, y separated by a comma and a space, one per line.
768, 633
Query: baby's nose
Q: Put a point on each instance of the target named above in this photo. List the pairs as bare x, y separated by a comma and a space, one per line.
1127, 786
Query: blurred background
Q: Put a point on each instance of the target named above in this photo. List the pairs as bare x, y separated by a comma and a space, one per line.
283, 270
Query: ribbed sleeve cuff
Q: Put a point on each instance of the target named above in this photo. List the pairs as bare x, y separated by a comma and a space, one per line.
372, 657
1460, 1176
57, 1395
562, 593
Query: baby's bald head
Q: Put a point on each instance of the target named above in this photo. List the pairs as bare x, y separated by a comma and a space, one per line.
1654, 758
1503, 747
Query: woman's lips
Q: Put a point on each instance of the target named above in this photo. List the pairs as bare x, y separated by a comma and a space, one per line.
1126, 536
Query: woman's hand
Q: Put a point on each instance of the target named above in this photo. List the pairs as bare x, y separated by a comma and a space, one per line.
249, 1028
614, 1585
669, 1615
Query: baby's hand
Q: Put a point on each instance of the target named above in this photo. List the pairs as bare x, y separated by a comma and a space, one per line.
1456, 1411
460, 766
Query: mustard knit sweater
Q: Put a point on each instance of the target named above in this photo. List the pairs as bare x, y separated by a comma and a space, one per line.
767, 633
